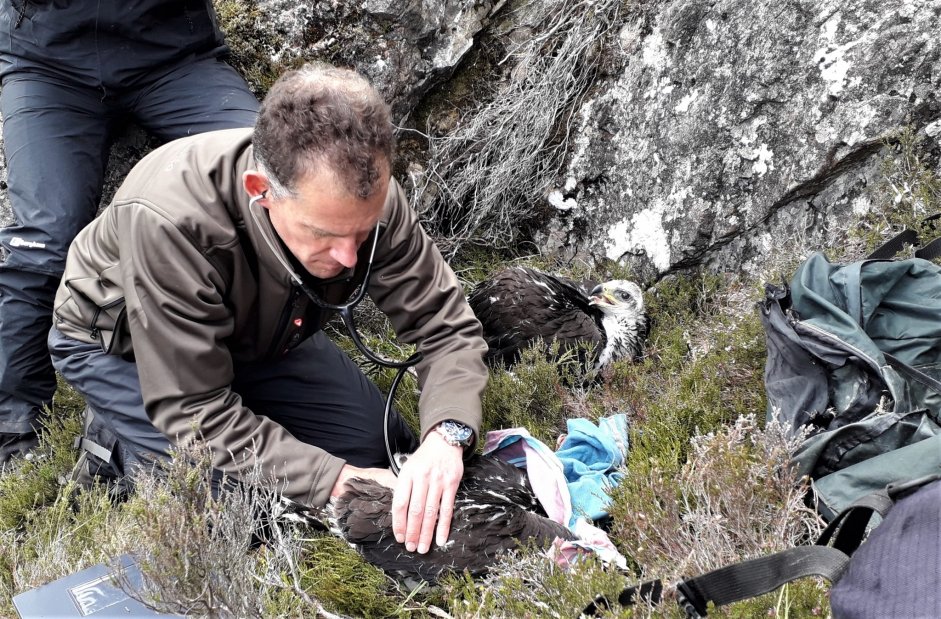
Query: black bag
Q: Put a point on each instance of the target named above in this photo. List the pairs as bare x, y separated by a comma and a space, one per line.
893, 574
896, 572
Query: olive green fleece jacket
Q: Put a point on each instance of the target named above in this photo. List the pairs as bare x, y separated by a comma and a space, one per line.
181, 274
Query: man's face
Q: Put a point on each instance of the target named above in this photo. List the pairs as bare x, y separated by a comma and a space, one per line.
325, 225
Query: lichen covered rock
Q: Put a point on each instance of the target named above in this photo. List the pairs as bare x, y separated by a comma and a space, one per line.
738, 126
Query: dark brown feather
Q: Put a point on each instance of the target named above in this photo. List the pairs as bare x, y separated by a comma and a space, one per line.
520, 305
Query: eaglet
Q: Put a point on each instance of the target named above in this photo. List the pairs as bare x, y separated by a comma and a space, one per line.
520, 305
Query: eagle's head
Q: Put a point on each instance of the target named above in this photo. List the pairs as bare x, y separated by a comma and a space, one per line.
617, 297
623, 319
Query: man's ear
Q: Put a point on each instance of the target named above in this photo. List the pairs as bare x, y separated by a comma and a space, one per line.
255, 183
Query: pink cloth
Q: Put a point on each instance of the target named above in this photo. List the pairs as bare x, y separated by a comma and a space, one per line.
518, 447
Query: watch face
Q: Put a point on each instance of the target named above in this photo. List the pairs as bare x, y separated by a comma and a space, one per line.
456, 433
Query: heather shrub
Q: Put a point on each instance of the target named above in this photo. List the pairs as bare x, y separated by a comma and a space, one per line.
487, 178
906, 192
736, 496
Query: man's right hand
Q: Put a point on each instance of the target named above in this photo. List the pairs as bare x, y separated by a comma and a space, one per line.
383, 476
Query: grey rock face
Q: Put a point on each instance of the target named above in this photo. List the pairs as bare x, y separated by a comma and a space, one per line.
404, 48
736, 124
733, 127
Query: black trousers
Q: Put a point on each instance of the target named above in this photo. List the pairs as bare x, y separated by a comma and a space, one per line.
315, 391
56, 138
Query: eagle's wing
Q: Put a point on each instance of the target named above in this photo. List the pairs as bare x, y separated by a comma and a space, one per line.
521, 304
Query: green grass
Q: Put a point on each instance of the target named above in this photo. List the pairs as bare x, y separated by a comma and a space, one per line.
34, 482
348, 585
530, 585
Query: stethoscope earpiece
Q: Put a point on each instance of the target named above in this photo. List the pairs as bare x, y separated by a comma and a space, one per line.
254, 199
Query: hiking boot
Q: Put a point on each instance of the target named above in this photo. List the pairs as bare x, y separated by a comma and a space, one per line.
89, 471
13, 445
80, 474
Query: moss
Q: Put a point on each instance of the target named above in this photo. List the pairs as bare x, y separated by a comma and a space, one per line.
532, 394
530, 585
803, 598
336, 575
690, 381
251, 46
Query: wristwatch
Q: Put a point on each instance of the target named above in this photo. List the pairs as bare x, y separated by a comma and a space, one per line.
455, 433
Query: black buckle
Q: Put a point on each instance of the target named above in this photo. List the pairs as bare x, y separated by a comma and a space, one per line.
690, 601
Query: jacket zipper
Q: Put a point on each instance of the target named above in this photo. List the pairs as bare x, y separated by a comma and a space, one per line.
95, 331
284, 323
842, 343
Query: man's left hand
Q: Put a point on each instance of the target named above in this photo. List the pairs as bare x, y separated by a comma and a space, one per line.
424, 494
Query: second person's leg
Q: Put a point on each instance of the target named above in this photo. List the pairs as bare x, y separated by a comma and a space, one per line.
195, 97
55, 138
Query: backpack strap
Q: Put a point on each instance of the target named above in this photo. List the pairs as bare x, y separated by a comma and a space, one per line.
738, 581
748, 579
893, 246
908, 236
650, 591
930, 250
848, 528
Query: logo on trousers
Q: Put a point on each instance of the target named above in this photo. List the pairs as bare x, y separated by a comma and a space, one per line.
20, 242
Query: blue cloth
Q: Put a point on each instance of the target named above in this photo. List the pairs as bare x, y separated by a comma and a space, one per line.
591, 457
545, 470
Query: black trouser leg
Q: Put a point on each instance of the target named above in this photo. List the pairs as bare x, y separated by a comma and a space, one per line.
194, 97
323, 398
55, 138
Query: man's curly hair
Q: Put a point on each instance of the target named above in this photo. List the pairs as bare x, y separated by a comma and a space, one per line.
323, 115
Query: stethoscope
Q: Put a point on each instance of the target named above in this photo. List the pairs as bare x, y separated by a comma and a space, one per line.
346, 313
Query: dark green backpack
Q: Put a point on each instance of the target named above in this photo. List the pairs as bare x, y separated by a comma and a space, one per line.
854, 361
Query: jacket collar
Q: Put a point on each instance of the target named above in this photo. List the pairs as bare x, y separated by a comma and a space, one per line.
272, 241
